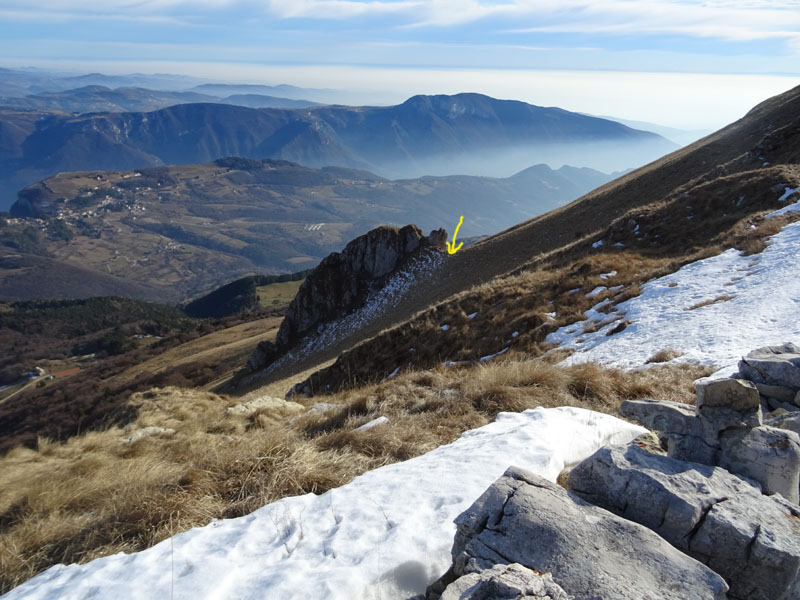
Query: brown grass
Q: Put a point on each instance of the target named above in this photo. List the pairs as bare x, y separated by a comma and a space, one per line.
717, 300
95, 494
663, 356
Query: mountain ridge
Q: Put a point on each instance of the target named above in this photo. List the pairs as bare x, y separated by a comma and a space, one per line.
424, 136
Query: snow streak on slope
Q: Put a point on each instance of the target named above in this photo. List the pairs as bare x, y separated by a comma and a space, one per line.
386, 534
753, 301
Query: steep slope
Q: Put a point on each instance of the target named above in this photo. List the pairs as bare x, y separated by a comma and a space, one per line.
179, 231
693, 203
466, 133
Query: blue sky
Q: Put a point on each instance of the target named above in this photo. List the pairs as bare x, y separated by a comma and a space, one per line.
678, 62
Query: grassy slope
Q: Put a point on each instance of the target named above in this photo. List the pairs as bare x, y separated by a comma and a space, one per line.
96, 495
552, 253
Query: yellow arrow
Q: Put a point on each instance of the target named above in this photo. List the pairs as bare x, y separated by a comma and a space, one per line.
452, 248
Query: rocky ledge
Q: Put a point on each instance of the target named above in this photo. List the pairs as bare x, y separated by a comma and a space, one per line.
716, 517
341, 283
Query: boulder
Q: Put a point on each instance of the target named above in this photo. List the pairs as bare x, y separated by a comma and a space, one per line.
505, 582
778, 392
724, 403
752, 540
787, 420
669, 417
773, 365
691, 448
769, 455
775, 404
591, 553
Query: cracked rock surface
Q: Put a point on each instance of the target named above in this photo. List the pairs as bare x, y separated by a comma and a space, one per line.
752, 540
591, 553
505, 582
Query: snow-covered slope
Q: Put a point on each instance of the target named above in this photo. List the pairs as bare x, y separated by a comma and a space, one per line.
387, 534
753, 301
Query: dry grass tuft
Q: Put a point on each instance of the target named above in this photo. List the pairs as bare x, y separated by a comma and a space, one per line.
722, 298
96, 494
663, 356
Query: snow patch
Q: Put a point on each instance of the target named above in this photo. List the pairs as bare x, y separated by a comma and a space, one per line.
763, 310
373, 423
597, 244
596, 291
348, 542
491, 356
392, 374
786, 209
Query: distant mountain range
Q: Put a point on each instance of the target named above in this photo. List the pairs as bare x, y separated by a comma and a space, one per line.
98, 98
465, 133
170, 233
32, 81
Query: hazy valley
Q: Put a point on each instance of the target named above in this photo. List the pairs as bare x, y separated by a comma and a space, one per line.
172, 233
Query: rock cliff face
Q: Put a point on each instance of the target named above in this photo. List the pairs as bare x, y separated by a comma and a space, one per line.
342, 282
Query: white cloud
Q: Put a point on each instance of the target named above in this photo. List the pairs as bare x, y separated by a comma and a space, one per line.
722, 19
338, 9
726, 19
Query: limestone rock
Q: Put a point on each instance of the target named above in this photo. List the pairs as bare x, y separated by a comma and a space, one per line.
775, 404
591, 553
778, 392
505, 582
663, 416
266, 353
437, 238
264, 403
773, 365
787, 420
724, 403
691, 448
768, 455
750, 539
341, 283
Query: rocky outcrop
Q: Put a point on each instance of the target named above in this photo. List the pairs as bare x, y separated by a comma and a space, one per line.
342, 282
590, 552
752, 540
725, 426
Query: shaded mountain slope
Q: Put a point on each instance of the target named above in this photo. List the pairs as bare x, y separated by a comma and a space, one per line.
425, 135
692, 203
